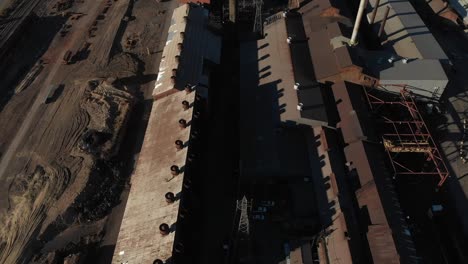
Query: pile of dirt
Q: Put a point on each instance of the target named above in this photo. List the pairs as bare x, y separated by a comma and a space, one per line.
121, 66
109, 109
104, 111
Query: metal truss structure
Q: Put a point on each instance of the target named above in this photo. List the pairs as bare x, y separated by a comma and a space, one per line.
407, 140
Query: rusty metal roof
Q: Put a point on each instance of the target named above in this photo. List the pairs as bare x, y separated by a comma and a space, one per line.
338, 248
326, 33
139, 238
283, 65
377, 194
355, 122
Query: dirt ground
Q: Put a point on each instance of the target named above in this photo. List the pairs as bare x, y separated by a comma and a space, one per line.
64, 124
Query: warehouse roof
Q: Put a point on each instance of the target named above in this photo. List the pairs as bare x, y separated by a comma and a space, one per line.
405, 31
327, 33
285, 65
354, 117
188, 26
140, 240
387, 234
414, 70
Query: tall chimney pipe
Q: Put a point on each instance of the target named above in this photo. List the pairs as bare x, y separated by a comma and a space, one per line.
374, 12
382, 26
362, 6
232, 10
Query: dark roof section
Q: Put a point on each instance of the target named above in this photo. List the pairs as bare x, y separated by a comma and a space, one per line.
355, 121
302, 62
310, 94
312, 100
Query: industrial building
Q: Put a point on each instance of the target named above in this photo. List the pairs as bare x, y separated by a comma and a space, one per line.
411, 56
461, 7
321, 144
153, 219
358, 168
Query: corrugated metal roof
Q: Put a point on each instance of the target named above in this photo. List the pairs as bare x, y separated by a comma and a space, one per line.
202, 45
139, 238
406, 32
288, 64
331, 169
325, 33
378, 195
415, 70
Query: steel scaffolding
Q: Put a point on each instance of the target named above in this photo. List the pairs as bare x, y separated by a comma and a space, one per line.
405, 133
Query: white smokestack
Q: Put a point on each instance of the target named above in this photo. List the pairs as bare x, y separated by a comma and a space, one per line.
360, 13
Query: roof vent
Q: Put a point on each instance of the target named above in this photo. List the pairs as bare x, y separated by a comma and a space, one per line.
182, 35
180, 46
188, 88
405, 60
170, 197
177, 58
185, 105
175, 170
300, 106
296, 86
289, 40
182, 123
391, 59
179, 144
164, 229
285, 13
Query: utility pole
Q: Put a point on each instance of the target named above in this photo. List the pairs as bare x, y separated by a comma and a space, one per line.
258, 23
244, 226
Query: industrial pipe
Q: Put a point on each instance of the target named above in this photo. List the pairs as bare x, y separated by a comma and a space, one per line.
185, 105
382, 26
374, 12
179, 144
362, 6
175, 170
170, 197
164, 229
182, 123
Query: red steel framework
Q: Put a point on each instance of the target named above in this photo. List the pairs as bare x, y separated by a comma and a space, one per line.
409, 135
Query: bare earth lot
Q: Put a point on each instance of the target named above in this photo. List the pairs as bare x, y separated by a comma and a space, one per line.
63, 126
